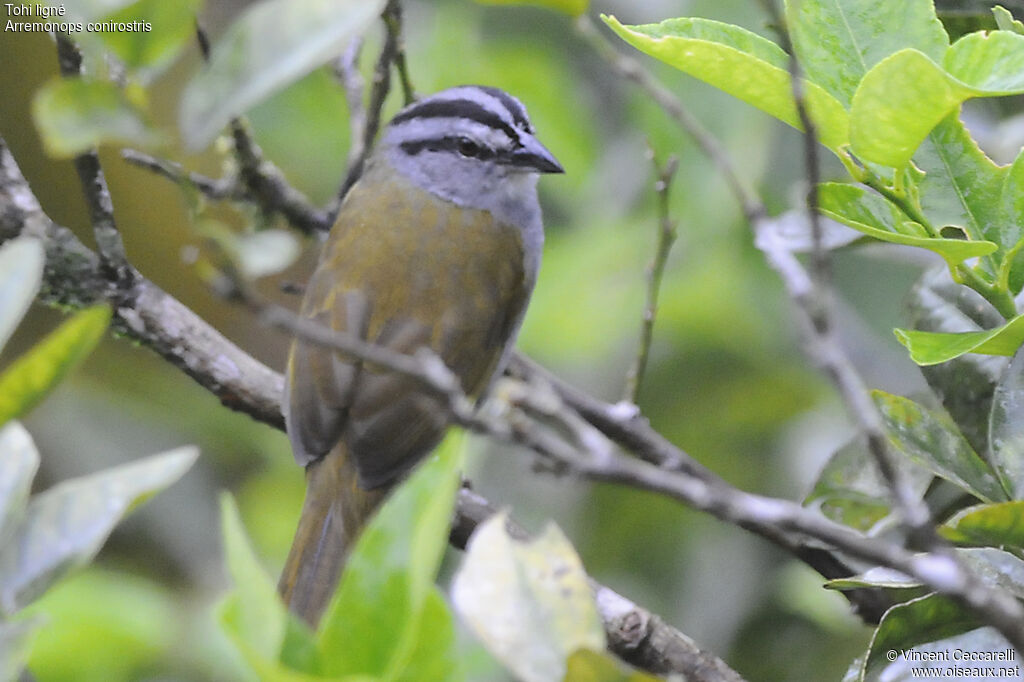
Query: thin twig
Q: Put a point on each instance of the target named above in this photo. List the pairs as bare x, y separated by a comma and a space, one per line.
94, 187
264, 180
813, 302
346, 70
663, 176
213, 188
379, 89
393, 21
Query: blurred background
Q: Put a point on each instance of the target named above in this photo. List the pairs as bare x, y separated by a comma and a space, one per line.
727, 380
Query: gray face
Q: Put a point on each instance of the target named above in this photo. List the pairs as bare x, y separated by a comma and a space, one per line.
473, 146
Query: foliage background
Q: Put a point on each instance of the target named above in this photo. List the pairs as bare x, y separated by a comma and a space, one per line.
727, 380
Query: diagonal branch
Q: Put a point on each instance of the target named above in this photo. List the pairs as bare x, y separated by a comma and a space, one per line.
73, 278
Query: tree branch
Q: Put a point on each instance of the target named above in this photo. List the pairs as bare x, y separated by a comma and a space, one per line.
72, 278
663, 176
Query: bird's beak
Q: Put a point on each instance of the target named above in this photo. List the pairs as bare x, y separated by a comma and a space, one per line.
532, 155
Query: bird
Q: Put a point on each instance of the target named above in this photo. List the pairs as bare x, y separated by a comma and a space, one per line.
436, 246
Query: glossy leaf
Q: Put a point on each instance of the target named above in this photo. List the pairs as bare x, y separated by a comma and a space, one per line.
838, 41
1006, 428
961, 185
65, 526
905, 95
988, 62
908, 669
586, 665
914, 623
931, 439
994, 567
741, 63
965, 384
851, 491
929, 348
75, 114
529, 603
373, 622
573, 8
1011, 226
21, 271
1005, 20
19, 461
996, 525
875, 216
31, 377
273, 43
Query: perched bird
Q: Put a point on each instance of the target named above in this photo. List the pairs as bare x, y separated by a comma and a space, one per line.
437, 246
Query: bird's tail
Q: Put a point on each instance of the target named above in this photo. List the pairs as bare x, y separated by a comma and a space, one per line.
334, 512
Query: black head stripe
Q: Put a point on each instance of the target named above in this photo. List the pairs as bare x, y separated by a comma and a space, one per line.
451, 144
457, 108
512, 104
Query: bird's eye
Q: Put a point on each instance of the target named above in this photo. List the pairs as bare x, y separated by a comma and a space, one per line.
467, 147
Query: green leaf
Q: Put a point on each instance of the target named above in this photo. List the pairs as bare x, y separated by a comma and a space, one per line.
931, 439
106, 625
905, 95
573, 8
20, 463
851, 491
988, 62
173, 26
434, 657
838, 41
897, 104
877, 217
65, 526
996, 525
31, 377
993, 567
1006, 428
258, 616
906, 668
967, 383
1011, 226
529, 603
1005, 20
21, 271
741, 63
265, 665
92, 10
273, 43
374, 620
961, 185
929, 348
914, 623
74, 115
15, 640
585, 665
